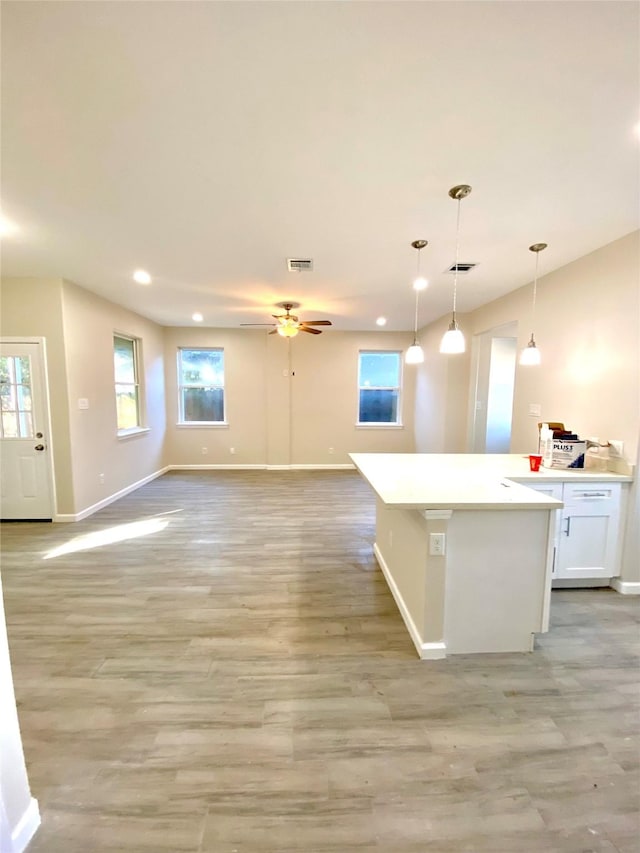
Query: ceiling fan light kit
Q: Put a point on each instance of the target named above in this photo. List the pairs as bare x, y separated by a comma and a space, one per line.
287, 325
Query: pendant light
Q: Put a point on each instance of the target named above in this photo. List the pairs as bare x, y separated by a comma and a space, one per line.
530, 355
453, 339
415, 353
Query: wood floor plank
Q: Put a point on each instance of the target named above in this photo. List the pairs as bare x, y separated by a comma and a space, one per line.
214, 664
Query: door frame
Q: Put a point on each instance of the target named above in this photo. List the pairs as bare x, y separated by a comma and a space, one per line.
477, 401
44, 370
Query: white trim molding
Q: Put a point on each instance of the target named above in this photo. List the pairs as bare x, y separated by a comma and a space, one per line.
626, 587
85, 513
426, 651
25, 828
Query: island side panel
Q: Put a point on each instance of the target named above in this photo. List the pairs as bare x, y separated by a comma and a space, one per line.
497, 578
415, 579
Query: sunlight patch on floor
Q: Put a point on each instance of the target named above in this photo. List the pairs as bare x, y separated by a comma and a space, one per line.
99, 538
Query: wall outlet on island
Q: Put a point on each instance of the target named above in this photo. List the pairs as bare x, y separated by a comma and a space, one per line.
232, 450
204, 451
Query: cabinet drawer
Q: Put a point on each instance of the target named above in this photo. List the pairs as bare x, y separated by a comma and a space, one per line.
591, 494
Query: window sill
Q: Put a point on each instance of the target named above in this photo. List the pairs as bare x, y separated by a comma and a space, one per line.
132, 433
379, 426
203, 425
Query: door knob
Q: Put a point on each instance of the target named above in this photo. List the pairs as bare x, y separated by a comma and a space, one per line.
39, 435
39, 447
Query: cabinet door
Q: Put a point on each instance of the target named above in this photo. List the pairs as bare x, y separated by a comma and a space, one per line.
553, 490
587, 545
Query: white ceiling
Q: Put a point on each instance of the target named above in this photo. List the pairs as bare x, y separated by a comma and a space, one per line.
208, 141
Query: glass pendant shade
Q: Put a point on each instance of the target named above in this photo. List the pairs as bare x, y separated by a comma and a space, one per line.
530, 355
415, 354
288, 329
453, 340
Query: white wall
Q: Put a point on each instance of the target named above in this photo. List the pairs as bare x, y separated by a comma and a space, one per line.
442, 388
288, 401
19, 815
588, 331
89, 326
33, 308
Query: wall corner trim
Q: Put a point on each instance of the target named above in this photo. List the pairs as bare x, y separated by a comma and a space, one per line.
626, 587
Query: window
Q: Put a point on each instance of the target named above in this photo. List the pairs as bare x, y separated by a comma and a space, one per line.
15, 394
379, 387
201, 385
125, 360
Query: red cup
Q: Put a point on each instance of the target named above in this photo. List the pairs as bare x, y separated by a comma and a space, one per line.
534, 462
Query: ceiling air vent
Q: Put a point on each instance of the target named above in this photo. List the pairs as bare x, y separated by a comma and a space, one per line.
462, 268
299, 264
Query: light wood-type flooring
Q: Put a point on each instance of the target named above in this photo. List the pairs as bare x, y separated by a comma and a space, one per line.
235, 676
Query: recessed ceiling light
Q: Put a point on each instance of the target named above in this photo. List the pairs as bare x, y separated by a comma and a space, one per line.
142, 277
381, 321
7, 228
420, 283
197, 317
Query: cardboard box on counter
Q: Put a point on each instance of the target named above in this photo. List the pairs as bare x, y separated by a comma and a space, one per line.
568, 454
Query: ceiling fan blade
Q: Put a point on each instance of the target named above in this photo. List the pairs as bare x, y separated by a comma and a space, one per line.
274, 332
317, 322
303, 328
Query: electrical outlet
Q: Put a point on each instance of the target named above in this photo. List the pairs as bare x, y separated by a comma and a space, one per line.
204, 451
232, 450
535, 410
436, 544
331, 450
101, 478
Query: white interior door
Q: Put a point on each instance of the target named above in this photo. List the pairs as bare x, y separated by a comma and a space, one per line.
25, 456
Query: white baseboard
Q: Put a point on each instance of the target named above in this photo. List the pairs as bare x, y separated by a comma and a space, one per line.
26, 828
426, 651
626, 587
215, 467
346, 467
85, 513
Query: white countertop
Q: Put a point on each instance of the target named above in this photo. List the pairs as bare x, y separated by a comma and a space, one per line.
464, 480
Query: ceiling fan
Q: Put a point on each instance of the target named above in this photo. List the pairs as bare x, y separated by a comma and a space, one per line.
288, 325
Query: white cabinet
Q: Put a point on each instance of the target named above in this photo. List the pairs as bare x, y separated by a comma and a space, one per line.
587, 529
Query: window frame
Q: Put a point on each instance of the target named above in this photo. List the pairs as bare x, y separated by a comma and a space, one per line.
137, 385
180, 388
397, 424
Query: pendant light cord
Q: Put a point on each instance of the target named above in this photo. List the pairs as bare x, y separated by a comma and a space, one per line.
455, 275
535, 291
415, 323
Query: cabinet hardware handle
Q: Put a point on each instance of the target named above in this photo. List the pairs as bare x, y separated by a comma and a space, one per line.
568, 527
593, 494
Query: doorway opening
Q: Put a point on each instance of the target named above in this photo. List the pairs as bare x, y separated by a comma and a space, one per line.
494, 356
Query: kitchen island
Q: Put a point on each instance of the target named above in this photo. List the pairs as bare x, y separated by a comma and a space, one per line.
466, 551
